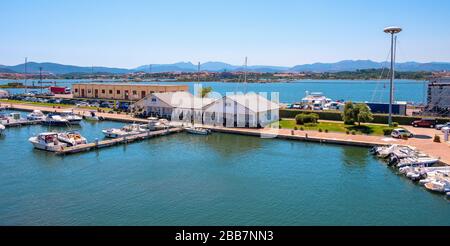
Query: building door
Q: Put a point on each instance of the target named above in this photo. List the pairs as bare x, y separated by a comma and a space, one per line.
96, 93
82, 93
126, 95
142, 94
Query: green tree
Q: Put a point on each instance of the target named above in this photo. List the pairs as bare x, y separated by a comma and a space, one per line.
356, 113
363, 113
205, 91
348, 113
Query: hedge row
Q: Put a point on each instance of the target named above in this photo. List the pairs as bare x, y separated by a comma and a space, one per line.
336, 115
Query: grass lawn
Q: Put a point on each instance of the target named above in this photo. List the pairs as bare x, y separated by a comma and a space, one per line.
50, 105
368, 129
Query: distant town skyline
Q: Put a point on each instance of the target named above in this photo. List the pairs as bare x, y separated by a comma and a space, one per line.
128, 34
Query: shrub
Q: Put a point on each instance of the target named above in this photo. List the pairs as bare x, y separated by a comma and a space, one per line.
295, 128
348, 132
320, 130
326, 130
304, 118
280, 127
437, 139
387, 131
394, 124
301, 128
353, 132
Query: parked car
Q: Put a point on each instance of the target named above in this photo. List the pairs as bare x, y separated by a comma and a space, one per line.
106, 105
424, 123
440, 126
443, 129
82, 104
400, 132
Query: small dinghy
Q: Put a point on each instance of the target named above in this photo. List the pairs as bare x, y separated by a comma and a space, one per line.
47, 141
198, 130
71, 138
438, 186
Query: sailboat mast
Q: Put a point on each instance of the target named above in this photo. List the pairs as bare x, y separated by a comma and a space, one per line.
25, 82
245, 76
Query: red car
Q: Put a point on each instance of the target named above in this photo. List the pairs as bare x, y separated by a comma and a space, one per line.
430, 123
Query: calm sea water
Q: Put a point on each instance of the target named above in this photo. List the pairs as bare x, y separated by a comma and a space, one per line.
356, 90
219, 179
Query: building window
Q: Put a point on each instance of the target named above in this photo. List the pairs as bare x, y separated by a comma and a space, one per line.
76, 90
134, 92
118, 92
152, 92
89, 91
153, 99
103, 91
110, 92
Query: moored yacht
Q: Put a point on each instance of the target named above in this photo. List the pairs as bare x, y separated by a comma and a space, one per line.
55, 120
441, 186
47, 141
2, 129
127, 130
71, 117
92, 116
71, 138
36, 115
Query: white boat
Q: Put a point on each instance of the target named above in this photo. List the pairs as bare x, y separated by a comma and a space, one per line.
2, 129
127, 130
155, 124
55, 120
36, 115
417, 162
438, 186
47, 141
92, 116
12, 118
198, 130
71, 138
71, 117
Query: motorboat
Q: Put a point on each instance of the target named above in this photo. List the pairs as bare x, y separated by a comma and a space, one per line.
2, 129
71, 138
36, 115
417, 162
71, 117
155, 124
47, 141
55, 120
127, 130
441, 186
11, 119
198, 130
92, 116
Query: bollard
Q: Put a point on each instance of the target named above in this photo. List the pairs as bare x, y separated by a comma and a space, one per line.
446, 133
306, 135
292, 132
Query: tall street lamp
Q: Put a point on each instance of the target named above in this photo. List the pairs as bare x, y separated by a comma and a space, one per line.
392, 30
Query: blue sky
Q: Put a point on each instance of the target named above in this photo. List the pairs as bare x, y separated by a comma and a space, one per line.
270, 32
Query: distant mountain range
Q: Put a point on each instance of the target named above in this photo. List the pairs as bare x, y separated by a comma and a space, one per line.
347, 65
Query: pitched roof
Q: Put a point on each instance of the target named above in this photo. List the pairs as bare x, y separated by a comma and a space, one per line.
254, 102
183, 100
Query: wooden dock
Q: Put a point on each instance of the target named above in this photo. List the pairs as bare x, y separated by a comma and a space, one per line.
22, 123
116, 141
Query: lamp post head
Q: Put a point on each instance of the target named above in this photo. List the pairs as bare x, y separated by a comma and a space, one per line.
392, 29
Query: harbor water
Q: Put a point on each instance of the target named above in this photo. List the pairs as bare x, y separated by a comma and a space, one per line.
219, 179
355, 90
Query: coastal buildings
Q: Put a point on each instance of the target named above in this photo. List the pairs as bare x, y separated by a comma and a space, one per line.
115, 91
237, 110
438, 99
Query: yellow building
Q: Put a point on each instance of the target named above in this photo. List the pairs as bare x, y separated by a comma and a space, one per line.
116, 91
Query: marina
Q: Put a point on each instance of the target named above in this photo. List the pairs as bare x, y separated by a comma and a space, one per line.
196, 180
